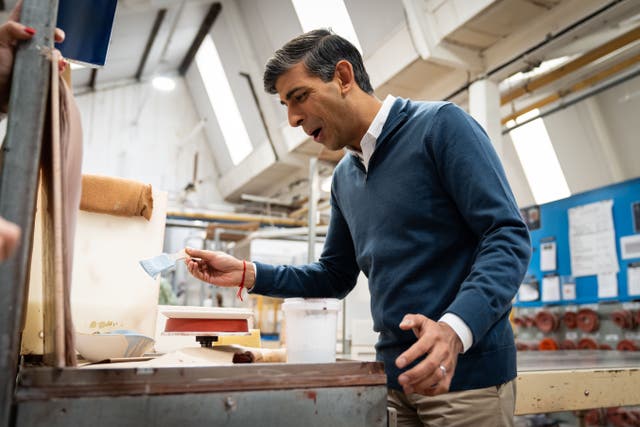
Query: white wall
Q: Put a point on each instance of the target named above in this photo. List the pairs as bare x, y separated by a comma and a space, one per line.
139, 133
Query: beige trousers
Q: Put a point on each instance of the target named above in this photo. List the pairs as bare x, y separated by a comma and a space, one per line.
486, 407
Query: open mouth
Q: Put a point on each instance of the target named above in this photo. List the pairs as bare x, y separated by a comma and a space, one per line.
316, 133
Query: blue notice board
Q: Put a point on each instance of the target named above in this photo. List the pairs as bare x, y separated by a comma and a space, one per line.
553, 222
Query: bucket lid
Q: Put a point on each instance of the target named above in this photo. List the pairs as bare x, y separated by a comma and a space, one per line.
332, 304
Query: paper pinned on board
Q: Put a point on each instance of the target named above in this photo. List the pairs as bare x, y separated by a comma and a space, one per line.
551, 288
633, 279
548, 251
592, 239
607, 285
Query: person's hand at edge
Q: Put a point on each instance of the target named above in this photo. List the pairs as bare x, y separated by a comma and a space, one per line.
12, 32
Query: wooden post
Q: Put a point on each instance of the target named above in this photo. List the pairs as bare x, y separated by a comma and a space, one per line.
20, 160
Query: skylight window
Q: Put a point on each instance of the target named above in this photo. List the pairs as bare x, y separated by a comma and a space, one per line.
224, 103
333, 14
539, 160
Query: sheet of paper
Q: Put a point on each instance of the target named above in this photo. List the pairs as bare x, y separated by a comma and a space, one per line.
630, 246
592, 239
528, 292
550, 288
548, 256
568, 291
633, 279
607, 285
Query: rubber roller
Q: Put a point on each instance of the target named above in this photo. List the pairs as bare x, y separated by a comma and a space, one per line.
623, 318
588, 320
548, 344
568, 345
570, 319
546, 321
628, 345
587, 344
595, 417
519, 321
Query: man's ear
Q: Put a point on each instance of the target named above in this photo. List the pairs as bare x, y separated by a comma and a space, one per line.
344, 75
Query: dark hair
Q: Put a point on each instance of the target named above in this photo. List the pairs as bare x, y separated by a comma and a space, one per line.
320, 50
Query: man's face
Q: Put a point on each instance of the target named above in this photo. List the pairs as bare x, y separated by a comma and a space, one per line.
319, 107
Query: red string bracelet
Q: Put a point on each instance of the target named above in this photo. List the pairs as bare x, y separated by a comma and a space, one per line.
244, 270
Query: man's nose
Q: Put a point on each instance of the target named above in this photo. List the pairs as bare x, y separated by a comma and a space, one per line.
295, 117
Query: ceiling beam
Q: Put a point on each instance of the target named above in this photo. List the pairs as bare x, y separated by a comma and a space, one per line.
152, 38
93, 78
205, 27
572, 66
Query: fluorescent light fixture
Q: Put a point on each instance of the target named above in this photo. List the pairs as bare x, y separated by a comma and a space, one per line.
539, 160
333, 14
164, 84
223, 102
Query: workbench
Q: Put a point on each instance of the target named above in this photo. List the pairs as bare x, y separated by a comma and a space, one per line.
568, 380
346, 393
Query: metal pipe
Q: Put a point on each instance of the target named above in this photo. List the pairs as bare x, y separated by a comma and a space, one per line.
314, 179
577, 99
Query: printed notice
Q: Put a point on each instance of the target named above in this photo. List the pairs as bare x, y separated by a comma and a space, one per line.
569, 291
592, 239
548, 256
607, 285
633, 279
551, 288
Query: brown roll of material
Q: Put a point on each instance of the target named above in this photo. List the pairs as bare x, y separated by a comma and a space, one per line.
628, 345
568, 345
116, 196
620, 417
546, 321
636, 317
587, 344
530, 321
595, 417
604, 347
521, 346
548, 344
588, 320
570, 319
519, 321
623, 318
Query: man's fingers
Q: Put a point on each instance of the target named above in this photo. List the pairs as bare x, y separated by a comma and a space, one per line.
198, 253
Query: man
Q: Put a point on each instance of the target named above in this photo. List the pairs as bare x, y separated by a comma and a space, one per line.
421, 205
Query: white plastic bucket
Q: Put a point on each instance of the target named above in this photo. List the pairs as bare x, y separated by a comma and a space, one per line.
311, 329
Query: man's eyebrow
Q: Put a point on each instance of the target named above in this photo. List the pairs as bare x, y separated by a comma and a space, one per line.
290, 94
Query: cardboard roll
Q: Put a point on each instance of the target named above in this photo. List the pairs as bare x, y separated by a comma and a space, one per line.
623, 318
587, 344
628, 345
548, 344
568, 345
588, 320
546, 321
570, 319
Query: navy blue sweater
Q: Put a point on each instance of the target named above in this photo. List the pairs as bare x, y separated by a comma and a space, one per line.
435, 228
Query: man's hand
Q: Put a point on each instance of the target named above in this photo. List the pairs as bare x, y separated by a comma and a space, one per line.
11, 32
441, 344
9, 238
219, 268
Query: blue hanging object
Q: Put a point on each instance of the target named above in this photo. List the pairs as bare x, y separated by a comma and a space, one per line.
87, 25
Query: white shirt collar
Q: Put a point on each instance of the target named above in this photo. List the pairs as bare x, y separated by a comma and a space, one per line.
368, 142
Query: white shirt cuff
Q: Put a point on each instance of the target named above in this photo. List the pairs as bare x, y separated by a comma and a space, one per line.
460, 328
